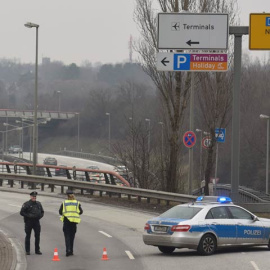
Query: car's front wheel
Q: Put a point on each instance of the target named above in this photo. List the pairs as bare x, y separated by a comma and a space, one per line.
207, 245
166, 250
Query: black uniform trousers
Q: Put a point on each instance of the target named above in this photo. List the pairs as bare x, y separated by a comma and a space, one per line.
69, 229
35, 225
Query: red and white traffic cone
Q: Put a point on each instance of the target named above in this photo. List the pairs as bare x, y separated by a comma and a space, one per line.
55, 255
104, 255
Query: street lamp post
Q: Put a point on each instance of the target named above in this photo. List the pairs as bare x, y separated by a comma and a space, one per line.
263, 116
59, 100
16, 128
109, 115
3, 139
35, 129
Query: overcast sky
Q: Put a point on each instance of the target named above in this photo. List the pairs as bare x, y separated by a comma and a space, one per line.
74, 31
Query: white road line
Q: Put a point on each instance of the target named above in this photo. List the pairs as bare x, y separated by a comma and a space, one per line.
105, 234
15, 205
130, 255
254, 265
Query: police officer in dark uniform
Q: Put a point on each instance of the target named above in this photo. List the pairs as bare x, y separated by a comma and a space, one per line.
70, 211
32, 211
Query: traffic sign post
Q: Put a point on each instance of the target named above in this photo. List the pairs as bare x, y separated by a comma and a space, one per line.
189, 139
193, 31
206, 142
192, 62
220, 134
259, 31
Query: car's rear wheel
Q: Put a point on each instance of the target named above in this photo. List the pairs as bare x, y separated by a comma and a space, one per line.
166, 250
207, 245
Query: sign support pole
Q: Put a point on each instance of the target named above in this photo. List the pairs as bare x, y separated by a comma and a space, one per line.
191, 127
238, 32
215, 184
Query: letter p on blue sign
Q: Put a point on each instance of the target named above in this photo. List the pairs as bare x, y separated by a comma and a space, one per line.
267, 21
181, 61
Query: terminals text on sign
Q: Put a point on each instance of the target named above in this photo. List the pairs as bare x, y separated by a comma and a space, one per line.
193, 31
191, 62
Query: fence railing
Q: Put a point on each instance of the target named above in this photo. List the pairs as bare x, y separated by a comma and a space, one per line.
79, 174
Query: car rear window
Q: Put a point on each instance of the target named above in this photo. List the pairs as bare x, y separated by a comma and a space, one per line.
181, 212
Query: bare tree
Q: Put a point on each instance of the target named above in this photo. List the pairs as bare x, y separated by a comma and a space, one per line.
173, 87
215, 92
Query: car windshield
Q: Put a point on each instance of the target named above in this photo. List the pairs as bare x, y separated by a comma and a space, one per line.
181, 212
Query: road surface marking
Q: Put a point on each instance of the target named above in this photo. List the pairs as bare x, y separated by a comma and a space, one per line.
130, 255
15, 205
105, 234
254, 265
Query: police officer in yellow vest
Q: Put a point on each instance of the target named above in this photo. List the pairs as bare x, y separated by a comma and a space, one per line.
70, 211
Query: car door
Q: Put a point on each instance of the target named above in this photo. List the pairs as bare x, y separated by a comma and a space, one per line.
222, 225
249, 229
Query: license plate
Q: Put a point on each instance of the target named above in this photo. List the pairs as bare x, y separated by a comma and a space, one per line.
160, 229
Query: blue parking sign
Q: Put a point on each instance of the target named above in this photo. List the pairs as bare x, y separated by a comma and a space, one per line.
181, 61
220, 134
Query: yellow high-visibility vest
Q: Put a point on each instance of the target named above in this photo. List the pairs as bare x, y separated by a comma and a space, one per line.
71, 211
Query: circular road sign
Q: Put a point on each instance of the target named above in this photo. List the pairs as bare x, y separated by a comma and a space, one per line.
189, 139
206, 142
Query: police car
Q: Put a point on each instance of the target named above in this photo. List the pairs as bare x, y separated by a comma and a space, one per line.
205, 225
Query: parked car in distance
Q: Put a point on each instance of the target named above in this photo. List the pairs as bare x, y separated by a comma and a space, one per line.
206, 225
14, 149
50, 161
61, 171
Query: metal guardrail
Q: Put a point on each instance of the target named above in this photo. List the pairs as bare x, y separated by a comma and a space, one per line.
115, 189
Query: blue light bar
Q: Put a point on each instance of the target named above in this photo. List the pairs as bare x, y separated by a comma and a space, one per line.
224, 199
214, 199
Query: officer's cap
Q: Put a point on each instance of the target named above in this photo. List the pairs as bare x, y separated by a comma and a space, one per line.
33, 193
69, 192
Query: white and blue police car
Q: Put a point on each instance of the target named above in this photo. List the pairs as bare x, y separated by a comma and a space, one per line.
205, 225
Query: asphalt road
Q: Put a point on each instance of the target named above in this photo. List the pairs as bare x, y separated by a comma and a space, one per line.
118, 230
70, 162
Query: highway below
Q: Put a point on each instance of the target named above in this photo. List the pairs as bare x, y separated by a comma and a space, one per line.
68, 161
119, 230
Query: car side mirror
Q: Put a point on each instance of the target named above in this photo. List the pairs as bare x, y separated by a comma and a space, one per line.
255, 218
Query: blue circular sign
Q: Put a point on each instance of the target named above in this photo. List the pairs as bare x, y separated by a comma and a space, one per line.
189, 139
